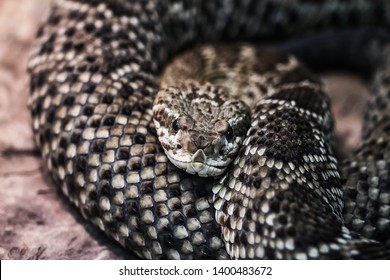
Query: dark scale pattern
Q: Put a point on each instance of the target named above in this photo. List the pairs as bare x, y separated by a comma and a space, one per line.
284, 184
367, 192
366, 175
93, 79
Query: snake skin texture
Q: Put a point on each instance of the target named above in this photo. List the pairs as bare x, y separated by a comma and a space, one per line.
94, 75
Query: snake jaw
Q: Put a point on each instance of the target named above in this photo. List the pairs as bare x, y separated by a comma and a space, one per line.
212, 160
202, 168
198, 163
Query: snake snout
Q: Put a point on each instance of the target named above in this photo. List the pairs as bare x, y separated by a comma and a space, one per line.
200, 141
205, 143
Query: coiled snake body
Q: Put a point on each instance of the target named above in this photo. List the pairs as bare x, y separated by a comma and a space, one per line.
94, 77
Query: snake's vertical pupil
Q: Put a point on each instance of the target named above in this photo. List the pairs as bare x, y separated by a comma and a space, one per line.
175, 125
229, 132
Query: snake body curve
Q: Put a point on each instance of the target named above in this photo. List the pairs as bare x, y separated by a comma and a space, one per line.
94, 75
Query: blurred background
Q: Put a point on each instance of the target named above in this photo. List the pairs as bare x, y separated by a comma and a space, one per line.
35, 221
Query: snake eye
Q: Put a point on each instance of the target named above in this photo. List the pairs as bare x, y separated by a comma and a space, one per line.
229, 132
175, 125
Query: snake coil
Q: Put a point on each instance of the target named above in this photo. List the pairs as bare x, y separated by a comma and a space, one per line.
94, 75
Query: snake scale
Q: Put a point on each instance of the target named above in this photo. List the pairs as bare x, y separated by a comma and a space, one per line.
94, 75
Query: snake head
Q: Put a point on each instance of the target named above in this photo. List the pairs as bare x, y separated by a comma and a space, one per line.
199, 127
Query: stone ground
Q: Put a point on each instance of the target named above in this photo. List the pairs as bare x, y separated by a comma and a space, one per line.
35, 221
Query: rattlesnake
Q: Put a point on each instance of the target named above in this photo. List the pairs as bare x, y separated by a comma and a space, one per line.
94, 76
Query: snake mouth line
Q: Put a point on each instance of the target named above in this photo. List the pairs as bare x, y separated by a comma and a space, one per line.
201, 168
